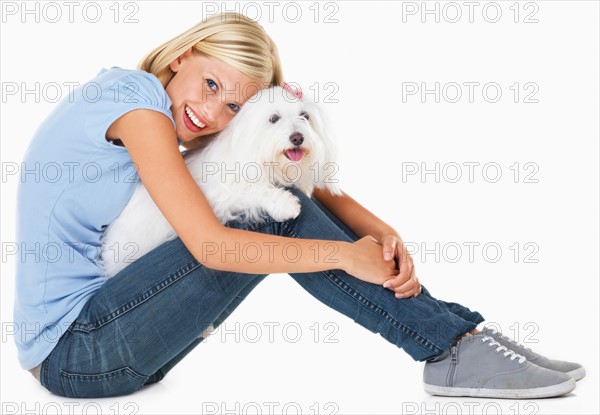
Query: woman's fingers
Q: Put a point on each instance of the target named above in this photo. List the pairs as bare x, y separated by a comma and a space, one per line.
394, 283
409, 288
404, 258
389, 247
404, 287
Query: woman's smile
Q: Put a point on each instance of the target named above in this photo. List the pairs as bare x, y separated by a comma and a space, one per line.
193, 121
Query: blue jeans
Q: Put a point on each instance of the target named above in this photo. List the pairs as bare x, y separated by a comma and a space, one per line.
148, 317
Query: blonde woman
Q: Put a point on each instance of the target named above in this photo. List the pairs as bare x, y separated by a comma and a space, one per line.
86, 337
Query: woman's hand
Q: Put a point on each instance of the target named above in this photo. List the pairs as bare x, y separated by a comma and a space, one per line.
405, 284
366, 263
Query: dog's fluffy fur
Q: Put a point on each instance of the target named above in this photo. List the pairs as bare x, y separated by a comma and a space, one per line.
243, 172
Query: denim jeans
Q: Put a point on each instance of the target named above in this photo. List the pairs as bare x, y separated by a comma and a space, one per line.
148, 317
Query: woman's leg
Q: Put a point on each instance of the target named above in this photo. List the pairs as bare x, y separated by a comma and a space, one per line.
145, 319
423, 326
455, 308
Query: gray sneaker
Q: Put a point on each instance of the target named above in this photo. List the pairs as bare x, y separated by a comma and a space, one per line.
575, 370
477, 365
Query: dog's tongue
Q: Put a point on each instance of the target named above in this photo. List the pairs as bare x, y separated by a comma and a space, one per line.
294, 154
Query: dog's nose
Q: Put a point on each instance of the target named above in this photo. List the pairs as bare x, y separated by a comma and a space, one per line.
297, 138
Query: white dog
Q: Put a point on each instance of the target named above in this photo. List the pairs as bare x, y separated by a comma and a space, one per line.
277, 139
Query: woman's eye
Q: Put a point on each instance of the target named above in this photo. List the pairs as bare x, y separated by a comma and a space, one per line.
304, 114
274, 118
234, 107
210, 82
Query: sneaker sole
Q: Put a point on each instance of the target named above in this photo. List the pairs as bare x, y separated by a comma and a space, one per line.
532, 393
577, 374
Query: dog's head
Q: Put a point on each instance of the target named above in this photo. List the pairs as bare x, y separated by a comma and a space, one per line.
288, 137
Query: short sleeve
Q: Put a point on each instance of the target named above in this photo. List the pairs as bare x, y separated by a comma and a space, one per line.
115, 92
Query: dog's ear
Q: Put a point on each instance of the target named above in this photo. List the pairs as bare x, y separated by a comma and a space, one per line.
328, 166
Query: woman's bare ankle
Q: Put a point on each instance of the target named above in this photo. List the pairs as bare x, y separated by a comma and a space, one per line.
474, 331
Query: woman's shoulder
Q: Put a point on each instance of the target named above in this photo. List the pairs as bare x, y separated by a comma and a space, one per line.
117, 73
135, 79
127, 86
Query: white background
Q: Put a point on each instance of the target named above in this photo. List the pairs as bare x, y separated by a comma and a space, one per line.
369, 53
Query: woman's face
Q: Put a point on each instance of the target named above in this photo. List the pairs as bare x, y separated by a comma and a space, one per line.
206, 93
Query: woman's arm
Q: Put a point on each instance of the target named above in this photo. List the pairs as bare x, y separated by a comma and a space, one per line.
152, 144
360, 220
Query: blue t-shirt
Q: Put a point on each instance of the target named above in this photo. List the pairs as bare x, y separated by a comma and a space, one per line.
73, 184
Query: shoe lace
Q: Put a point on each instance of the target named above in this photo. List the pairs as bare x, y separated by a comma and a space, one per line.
494, 331
507, 352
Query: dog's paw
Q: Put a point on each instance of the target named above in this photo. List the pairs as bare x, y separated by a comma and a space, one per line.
294, 207
283, 206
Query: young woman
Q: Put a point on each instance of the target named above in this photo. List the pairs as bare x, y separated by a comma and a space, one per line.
84, 337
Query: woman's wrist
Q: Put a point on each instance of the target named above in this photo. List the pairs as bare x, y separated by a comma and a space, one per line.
346, 256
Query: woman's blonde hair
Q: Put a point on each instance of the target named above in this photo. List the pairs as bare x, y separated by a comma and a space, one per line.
231, 37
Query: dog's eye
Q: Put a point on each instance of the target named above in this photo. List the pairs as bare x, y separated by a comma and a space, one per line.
304, 114
274, 118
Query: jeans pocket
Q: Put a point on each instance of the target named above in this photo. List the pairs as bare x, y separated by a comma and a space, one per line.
122, 381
